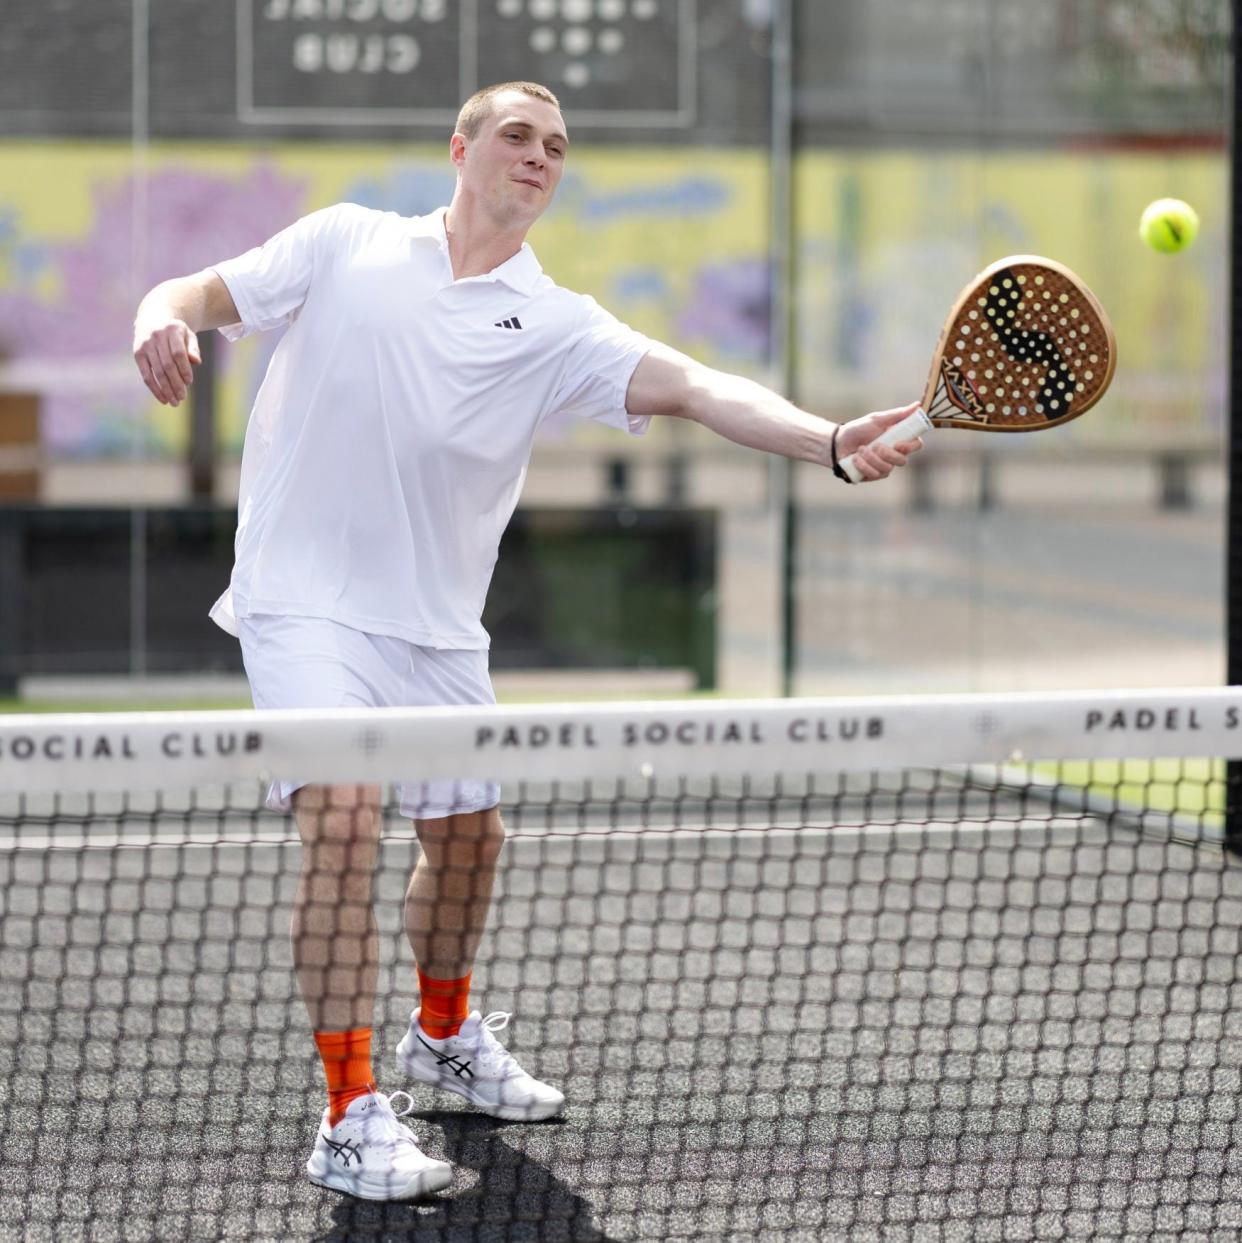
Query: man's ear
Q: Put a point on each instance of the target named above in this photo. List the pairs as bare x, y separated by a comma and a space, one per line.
457, 149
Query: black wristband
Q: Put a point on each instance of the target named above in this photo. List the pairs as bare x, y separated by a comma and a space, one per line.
836, 466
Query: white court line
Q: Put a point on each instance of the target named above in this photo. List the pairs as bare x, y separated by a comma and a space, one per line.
1059, 827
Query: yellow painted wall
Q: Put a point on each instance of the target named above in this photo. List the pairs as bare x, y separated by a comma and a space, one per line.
673, 241
887, 240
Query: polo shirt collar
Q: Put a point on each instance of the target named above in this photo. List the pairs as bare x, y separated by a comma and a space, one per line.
520, 273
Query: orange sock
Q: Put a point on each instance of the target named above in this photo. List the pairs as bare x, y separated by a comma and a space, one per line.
347, 1068
443, 1006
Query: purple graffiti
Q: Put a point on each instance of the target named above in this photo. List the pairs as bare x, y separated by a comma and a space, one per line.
182, 220
730, 310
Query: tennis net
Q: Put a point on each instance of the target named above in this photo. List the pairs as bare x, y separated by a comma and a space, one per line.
871, 969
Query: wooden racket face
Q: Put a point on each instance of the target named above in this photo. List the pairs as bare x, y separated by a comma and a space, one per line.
1025, 347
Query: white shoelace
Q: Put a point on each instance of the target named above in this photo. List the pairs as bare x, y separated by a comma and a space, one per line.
381, 1124
490, 1051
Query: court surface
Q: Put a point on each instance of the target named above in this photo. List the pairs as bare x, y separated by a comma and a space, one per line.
1001, 1029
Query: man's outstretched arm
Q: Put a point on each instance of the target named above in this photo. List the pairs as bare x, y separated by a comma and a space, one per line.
669, 383
165, 344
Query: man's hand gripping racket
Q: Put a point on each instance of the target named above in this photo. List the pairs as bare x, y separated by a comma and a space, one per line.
1025, 347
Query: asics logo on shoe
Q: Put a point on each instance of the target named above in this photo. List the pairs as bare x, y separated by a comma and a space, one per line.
345, 1152
511, 322
459, 1066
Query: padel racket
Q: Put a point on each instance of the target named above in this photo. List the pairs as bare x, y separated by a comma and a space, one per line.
1026, 346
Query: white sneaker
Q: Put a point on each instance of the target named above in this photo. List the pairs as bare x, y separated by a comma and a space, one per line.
474, 1064
371, 1155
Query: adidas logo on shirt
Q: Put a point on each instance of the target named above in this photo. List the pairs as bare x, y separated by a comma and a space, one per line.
508, 323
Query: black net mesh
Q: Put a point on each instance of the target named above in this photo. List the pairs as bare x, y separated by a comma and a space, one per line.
935, 1004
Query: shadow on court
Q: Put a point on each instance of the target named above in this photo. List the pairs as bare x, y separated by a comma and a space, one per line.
498, 1193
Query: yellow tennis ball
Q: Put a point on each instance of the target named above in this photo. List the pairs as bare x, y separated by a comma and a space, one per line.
1169, 225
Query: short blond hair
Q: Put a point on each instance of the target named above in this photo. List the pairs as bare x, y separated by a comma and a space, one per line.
480, 105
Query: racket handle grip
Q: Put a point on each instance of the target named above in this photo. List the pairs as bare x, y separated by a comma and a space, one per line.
910, 428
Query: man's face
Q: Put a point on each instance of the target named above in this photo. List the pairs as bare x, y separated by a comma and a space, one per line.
514, 163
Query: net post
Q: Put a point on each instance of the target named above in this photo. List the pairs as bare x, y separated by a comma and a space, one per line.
1233, 532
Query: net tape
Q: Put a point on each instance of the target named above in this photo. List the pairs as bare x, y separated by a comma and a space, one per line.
151, 751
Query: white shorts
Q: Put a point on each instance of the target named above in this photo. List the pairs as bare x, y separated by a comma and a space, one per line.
310, 662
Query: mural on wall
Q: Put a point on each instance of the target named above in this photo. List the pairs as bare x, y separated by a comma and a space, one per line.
67, 303
888, 240
675, 249
675, 243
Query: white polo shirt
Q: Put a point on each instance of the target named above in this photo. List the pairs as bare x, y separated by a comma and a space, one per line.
391, 435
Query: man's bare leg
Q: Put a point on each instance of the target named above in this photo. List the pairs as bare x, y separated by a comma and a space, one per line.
446, 909
334, 935
362, 1147
450, 892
